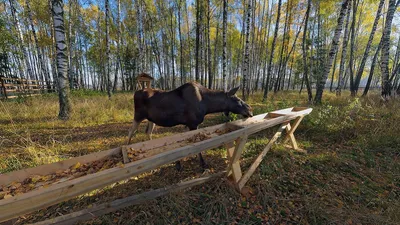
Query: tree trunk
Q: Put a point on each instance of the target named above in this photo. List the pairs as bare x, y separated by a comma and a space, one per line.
386, 85
172, 39
333, 73
371, 71
29, 71
108, 49
279, 76
118, 63
332, 52
343, 56
182, 68
42, 66
246, 53
63, 88
198, 22
351, 62
263, 85
305, 74
266, 88
368, 47
224, 31
210, 75
140, 56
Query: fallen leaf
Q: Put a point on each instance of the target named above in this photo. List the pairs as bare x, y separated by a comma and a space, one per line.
76, 166
7, 196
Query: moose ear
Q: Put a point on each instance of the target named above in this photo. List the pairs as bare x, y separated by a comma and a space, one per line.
233, 91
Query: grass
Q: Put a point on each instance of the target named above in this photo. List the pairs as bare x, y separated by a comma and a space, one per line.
351, 174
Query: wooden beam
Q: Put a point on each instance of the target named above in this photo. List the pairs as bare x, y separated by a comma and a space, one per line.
20, 175
38, 199
125, 154
253, 125
240, 143
260, 157
291, 130
229, 153
46, 169
90, 213
234, 153
291, 137
4, 88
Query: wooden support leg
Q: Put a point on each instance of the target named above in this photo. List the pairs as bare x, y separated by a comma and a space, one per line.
260, 157
234, 153
290, 136
124, 154
149, 129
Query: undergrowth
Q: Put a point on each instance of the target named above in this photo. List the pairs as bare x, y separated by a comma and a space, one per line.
350, 175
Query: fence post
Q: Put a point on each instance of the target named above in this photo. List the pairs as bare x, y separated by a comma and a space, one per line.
4, 88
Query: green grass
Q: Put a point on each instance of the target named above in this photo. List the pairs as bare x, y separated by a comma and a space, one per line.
350, 175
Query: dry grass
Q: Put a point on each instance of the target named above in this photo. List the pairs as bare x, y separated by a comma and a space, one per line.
350, 175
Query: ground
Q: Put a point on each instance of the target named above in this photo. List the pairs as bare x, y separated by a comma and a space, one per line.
350, 175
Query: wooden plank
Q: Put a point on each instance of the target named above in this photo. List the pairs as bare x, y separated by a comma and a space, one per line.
290, 135
292, 138
21, 175
38, 199
296, 109
253, 123
275, 115
230, 148
260, 157
124, 154
4, 89
45, 169
90, 213
234, 163
11, 85
59, 192
293, 129
239, 148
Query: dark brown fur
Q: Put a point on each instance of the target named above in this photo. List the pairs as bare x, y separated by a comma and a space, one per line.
187, 105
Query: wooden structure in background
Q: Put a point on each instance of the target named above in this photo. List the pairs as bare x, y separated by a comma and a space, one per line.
14, 87
143, 81
157, 152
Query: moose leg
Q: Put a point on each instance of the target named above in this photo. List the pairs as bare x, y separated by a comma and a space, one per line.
135, 126
202, 162
150, 128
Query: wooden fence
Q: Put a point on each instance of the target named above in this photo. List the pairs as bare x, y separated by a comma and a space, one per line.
154, 153
14, 87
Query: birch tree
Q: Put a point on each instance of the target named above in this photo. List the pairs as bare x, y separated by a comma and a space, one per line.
368, 47
63, 88
386, 85
224, 31
332, 52
246, 52
108, 49
266, 88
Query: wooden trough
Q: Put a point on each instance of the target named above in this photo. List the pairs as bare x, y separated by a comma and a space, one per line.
143, 157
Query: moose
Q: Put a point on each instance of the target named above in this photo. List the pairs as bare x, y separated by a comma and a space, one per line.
186, 105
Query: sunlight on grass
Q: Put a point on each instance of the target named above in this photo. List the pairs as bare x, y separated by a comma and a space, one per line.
350, 172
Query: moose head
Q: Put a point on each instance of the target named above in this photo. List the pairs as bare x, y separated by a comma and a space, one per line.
237, 105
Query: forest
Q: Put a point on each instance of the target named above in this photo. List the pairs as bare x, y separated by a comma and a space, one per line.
261, 45
68, 74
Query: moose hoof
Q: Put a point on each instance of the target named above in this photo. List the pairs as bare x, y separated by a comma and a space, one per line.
205, 166
178, 166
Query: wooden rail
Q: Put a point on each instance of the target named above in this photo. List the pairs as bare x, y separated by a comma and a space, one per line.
157, 153
14, 87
